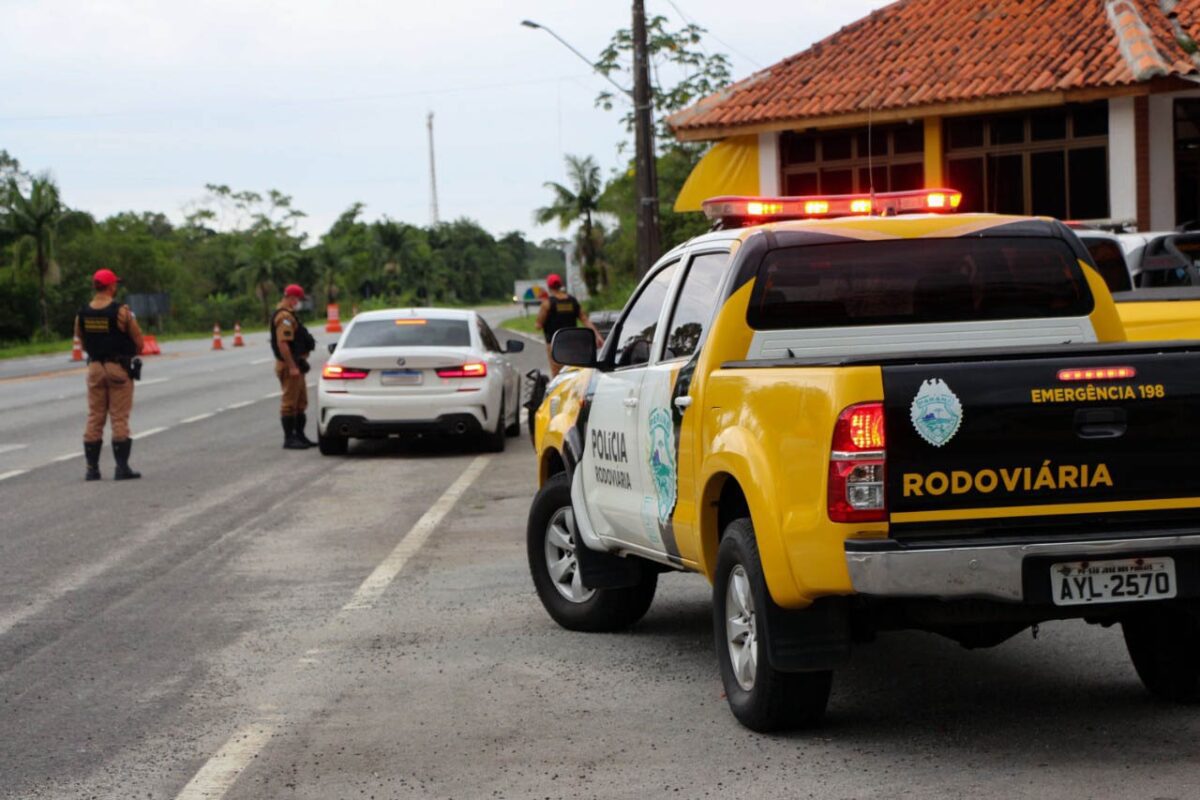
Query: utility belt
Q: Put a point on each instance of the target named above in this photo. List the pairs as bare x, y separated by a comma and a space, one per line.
131, 364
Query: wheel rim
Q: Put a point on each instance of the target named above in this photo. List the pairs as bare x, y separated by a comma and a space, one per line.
561, 562
741, 630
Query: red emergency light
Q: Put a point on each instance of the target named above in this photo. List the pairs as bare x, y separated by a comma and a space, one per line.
734, 211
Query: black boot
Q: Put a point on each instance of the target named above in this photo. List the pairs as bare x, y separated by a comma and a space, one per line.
121, 454
301, 422
91, 452
290, 442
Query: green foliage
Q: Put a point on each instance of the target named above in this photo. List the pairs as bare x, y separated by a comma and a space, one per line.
579, 203
230, 259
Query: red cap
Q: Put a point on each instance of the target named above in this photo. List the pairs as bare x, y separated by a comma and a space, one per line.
105, 277
294, 290
553, 281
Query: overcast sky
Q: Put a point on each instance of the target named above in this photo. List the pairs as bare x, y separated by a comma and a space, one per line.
136, 104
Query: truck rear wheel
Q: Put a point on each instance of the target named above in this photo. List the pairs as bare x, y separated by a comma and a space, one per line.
551, 541
760, 696
1165, 649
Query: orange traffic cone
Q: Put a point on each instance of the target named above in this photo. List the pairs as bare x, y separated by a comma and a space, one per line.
150, 346
217, 337
333, 322
77, 350
237, 335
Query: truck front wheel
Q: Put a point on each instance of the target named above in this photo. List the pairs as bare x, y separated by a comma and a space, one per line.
551, 542
1165, 649
760, 696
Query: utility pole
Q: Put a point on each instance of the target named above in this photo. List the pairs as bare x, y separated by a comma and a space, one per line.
433, 205
646, 168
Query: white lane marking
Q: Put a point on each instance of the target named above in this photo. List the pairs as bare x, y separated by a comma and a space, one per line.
272, 394
378, 581
242, 404
150, 432
197, 418
153, 381
257, 361
64, 457
8, 448
12, 473
220, 772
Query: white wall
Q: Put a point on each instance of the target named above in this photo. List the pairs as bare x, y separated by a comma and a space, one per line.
1122, 160
768, 165
1162, 159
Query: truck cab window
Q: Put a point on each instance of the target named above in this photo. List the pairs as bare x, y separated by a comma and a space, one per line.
636, 334
694, 308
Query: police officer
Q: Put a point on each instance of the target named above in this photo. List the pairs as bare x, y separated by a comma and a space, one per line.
561, 310
111, 337
291, 342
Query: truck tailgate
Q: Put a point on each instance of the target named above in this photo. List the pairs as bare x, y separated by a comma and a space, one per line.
1048, 444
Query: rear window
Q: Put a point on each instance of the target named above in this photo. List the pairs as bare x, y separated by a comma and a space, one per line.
406, 332
1110, 263
917, 281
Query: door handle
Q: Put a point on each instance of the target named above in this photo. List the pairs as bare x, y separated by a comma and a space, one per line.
1100, 423
630, 402
683, 402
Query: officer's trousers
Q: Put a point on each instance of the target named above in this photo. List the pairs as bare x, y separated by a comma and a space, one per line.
295, 391
110, 395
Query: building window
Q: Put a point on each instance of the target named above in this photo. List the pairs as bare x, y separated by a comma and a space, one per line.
1187, 161
888, 158
1051, 162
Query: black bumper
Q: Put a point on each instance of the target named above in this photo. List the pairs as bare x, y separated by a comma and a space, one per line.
361, 428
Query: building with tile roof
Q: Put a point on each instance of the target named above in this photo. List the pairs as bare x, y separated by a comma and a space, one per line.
1079, 109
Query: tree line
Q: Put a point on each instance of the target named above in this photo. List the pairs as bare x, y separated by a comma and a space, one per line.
230, 258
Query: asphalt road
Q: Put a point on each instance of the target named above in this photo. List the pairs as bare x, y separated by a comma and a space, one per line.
247, 622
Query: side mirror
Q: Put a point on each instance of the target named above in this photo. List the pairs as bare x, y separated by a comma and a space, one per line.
514, 346
574, 347
332, 347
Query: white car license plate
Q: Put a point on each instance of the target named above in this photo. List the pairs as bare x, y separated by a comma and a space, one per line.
400, 377
1077, 583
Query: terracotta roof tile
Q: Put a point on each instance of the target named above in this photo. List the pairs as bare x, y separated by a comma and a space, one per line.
928, 52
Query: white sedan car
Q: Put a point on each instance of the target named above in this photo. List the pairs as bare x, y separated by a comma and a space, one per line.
418, 370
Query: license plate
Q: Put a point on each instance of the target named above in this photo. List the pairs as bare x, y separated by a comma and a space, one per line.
1075, 583
400, 377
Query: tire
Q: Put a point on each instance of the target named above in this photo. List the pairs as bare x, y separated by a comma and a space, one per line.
332, 445
1165, 649
493, 442
760, 696
551, 533
514, 430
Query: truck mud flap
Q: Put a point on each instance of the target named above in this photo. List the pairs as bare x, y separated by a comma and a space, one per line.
607, 571
815, 639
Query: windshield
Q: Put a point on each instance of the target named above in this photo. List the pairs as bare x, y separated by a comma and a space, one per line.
918, 281
409, 332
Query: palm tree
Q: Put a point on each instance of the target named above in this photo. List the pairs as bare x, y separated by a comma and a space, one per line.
36, 217
578, 204
265, 262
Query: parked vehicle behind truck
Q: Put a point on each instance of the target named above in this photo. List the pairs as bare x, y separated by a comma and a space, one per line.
868, 423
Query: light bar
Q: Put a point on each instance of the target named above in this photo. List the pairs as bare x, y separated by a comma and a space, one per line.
1097, 374
739, 210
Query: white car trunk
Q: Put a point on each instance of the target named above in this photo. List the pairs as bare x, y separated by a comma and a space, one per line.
404, 370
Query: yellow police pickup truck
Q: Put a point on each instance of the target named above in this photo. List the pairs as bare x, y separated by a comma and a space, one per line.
856, 414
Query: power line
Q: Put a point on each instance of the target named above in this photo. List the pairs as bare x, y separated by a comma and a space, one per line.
708, 31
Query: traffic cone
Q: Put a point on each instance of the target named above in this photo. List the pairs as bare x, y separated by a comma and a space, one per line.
333, 323
237, 335
77, 350
150, 346
217, 337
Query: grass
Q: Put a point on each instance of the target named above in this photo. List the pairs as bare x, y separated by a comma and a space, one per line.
524, 324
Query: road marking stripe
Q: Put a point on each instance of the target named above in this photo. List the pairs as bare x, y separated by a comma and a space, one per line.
272, 394
258, 361
12, 473
242, 404
379, 580
197, 418
153, 381
150, 432
8, 448
64, 457
220, 772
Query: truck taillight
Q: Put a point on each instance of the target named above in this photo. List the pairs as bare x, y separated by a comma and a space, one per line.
857, 466
336, 372
476, 369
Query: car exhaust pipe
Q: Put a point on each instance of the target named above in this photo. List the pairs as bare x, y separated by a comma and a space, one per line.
460, 428
344, 430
